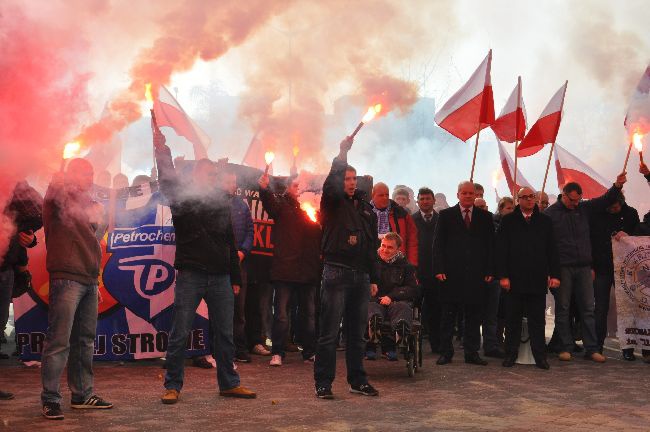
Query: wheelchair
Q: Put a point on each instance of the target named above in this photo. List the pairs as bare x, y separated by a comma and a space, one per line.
410, 346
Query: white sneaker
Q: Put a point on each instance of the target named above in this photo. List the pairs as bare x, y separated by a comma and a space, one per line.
276, 360
259, 349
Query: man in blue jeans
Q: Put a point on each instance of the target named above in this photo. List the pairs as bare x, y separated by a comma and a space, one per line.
349, 278
295, 266
571, 224
208, 268
71, 219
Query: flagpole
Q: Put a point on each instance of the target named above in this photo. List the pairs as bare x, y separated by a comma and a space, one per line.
548, 164
471, 177
514, 182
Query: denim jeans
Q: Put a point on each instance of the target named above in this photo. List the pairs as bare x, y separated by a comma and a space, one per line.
305, 326
239, 320
6, 289
490, 319
602, 290
216, 290
344, 293
258, 307
576, 281
72, 324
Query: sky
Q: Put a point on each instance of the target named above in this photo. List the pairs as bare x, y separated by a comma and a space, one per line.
301, 71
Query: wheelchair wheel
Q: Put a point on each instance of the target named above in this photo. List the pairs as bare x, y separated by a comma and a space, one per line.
410, 365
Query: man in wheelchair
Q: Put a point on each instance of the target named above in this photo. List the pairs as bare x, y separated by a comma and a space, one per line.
392, 301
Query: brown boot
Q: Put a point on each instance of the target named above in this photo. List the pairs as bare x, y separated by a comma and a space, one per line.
238, 392
170, 396
597, 357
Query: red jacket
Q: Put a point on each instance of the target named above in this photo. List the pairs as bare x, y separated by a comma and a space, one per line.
406, 228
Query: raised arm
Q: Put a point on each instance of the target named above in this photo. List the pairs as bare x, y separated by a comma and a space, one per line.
167, 177
333, 186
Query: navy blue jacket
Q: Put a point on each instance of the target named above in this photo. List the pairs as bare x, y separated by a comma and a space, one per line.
242, 225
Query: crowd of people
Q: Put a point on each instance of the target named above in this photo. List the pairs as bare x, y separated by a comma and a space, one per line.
368, 260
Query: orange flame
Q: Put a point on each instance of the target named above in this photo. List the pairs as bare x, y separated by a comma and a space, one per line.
148, 96
296, 150
496, 176
310, 210
268, 157
636, 139
371, 113
71, 149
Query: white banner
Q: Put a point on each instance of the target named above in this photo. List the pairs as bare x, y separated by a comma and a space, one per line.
632, 282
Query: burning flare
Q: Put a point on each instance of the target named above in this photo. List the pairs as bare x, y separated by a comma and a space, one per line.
637, 140
371, 113
310, 210
268, 157
71, 149
148, 96
296, 150
496, 176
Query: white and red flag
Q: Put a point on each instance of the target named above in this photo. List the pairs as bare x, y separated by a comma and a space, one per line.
169, 113
511, 124
638, 114
545, 129
471, 108
256, 152
569, 168
508, 167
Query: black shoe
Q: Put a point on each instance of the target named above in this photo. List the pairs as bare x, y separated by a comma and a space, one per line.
324, 393
201, 362
542, 364
495, 353
6, 395
52, 411
475, 359
443, 360
628, 354
93, 402
243, 357
509, 362
364, 389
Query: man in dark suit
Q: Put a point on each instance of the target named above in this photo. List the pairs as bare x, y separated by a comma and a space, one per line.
527, 264
463, 262
425, 220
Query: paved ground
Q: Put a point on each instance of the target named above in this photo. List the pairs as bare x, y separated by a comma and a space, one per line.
576, 396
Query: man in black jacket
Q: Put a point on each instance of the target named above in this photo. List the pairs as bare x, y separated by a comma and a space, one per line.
527, 264
349, 250
605, 224
397, 293
208, 269
294, 266
463, 251
425, 220
570, 216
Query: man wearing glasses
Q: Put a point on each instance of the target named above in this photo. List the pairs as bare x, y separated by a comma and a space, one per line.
570, 216
527, 265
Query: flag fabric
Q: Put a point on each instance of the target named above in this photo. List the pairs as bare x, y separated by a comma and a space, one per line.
254, 156
107, 154
570, 168
545, 129
471, 108
638, 114
511, 124
169, 113
508, 167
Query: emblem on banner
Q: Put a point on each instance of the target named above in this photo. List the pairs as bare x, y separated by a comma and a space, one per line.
634, 276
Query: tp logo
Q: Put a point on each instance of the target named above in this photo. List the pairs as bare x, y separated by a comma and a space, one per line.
142, 284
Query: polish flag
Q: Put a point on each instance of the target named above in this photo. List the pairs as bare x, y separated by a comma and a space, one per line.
569, 168
545, 129
508, 167
471, 108
638, 114
511, 124
169, 113
254, 156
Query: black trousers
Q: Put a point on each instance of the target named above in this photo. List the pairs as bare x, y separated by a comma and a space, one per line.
431, 311
533, 307
472, 328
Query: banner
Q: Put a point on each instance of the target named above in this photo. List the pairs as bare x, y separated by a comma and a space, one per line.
632, 282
